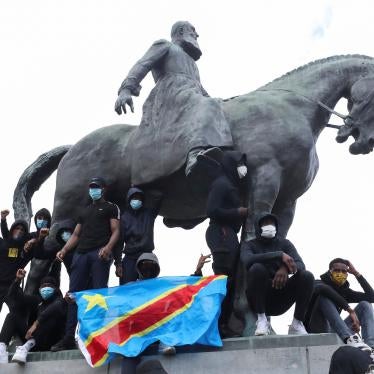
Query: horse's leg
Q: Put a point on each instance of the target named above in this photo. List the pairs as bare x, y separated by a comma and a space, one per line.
262, 191
285, 211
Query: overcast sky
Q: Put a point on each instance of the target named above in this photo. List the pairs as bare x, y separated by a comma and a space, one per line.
63, 61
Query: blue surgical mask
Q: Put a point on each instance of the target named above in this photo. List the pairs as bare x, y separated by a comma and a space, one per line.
136, 204
41, 223
65, 236
46, 292
95, 193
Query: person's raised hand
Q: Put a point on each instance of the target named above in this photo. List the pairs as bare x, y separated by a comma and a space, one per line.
29, 244
124, 98
43, 233
289, 262
21, 273
202, 261
280, 278
352, 270
4, 213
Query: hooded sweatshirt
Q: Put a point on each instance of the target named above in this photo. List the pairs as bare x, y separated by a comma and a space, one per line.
149, 257
224, 195
137, 226
12, 255
341, 296
42, 212
55, 307
268, 251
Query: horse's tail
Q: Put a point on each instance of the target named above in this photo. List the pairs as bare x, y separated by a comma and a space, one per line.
32, 178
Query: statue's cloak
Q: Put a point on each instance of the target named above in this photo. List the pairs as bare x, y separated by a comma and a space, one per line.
178, 115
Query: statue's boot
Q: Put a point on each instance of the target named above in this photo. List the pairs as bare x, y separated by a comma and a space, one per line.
197, 154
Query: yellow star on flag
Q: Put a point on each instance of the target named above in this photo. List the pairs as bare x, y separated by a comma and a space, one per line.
94, 300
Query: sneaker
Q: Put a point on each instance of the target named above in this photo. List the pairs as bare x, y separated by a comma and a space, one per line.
20, 355
65, 344
263, 328
166, 350
297, 329
226, 332
356, 341
3, 354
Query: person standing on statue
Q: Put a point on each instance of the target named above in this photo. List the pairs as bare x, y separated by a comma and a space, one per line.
137, 226
179, 118
226, 213
269, 260
93, 239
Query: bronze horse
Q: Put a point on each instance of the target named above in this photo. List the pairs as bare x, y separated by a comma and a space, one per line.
276, 126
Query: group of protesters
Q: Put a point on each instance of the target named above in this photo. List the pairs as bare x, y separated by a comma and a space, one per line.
276, 276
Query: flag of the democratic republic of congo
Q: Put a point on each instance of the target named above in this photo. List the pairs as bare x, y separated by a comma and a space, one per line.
126, 319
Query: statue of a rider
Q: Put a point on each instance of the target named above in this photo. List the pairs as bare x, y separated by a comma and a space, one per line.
179, 119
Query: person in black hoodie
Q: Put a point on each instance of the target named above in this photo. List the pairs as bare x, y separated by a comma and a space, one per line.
40, 267
12, 255
226, 213
269, 260
332, 294
48, 327
137, 226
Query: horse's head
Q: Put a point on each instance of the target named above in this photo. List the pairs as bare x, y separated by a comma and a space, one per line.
360, 121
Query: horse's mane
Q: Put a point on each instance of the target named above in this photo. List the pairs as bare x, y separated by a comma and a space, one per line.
319, 62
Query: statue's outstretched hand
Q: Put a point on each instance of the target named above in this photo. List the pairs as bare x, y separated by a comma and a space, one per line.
124, 98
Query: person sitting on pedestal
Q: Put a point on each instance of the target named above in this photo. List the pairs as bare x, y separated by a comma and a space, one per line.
269, 260
332, 295
48, 327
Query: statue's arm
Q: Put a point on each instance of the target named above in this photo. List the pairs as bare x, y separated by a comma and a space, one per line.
152, 57
131, 85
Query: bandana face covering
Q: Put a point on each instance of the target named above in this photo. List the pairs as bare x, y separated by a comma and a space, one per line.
338, 277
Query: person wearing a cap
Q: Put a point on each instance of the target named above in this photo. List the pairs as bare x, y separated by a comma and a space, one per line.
94, 238
47, 329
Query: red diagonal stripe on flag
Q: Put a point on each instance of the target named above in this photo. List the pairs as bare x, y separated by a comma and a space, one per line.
143, 319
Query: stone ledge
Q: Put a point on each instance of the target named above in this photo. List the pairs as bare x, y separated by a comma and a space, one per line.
234, 344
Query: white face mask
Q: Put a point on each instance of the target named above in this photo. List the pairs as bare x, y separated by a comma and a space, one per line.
268, 231
242, 171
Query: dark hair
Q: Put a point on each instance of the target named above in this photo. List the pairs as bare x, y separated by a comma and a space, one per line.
338, 260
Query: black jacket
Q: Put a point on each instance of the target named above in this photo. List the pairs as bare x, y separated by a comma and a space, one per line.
137, 226
340, 296
224, 195
55, 307
12, 255
268, 251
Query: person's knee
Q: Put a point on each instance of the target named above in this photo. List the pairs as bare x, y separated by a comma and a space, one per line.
305, 276
365, 306
258, 270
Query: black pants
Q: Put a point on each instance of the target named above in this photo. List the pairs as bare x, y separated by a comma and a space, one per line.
350, 360
85, 266
130, 273
263, 298
45, 335
224, 245
3, 292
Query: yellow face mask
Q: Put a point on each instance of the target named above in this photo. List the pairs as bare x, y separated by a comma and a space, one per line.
338, 277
